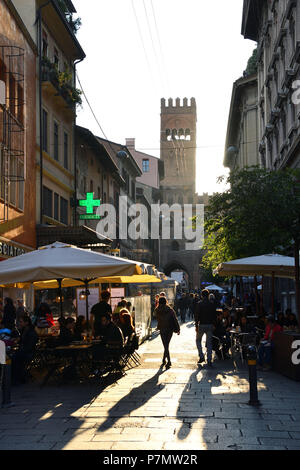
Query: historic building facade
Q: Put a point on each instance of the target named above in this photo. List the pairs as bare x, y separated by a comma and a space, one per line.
178, 153
50, 27
275, 26
17, 138
17, 134
147, 189
242, 139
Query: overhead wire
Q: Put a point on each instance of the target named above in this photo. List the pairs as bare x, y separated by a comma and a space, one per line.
142, 41
160, 44
154, 48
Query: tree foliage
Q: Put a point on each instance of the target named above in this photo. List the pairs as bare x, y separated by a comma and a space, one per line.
258, 214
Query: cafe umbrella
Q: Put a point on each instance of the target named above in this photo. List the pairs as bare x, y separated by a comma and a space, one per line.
272, 265
59, 261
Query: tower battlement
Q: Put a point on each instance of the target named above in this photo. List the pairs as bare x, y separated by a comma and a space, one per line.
178, 105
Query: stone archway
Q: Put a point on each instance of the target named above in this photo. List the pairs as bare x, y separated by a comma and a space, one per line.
176, 265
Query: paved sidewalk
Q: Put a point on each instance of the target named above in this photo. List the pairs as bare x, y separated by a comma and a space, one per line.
152, 409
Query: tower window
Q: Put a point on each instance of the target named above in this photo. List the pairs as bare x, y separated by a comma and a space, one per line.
187, 134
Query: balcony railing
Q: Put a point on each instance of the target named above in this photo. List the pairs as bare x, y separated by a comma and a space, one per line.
62, 82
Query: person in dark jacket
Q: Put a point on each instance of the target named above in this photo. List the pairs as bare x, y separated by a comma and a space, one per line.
9, 314
80, 327
168, 324
99, 310
44, 318
66, 335
25, 353
183, 306
205, 318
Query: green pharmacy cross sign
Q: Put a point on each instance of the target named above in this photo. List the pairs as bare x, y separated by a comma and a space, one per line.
89, 203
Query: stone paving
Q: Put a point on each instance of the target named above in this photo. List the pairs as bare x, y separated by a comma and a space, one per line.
183, 408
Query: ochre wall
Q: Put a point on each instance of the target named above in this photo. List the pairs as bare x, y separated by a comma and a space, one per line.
21, 226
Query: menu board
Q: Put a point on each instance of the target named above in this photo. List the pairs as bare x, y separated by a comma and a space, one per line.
93, 299
117, 292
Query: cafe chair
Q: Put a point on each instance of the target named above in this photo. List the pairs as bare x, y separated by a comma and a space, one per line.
219, 344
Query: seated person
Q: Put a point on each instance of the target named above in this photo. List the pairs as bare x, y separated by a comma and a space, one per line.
112, 338
262, 322
281, 320
6, 335
80, 327
112, 335
226, 318
116, 318
121, 304
221, 333
25, 353
245, 325
98, 310
66, 335
126, 324
291, 321
266, 344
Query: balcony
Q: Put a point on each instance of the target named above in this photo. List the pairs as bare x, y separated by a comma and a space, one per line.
58, 84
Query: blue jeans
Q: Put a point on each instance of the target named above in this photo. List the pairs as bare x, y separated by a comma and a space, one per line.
205, 330
265, 354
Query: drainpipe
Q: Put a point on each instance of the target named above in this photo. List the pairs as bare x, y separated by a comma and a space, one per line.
75, 218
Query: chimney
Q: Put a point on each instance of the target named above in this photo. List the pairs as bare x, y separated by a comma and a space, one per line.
130, 143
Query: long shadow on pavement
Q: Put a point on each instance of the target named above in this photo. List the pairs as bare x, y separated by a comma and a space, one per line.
135, 399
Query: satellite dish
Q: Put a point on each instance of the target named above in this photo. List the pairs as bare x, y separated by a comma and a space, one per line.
122, 154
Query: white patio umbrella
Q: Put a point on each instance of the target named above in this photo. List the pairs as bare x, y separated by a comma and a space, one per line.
215, 287
59, 261
273, 265
265, 265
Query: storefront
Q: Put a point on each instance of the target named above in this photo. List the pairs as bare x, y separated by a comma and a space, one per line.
10, 249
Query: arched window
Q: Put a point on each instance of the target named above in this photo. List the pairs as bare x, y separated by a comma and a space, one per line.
174, 134
187, 134
181, 134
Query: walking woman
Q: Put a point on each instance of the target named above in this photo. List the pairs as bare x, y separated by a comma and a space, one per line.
168, 324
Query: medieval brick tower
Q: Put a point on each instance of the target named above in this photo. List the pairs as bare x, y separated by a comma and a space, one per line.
178, 152
178, 149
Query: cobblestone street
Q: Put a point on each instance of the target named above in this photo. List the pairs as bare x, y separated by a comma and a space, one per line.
152, 409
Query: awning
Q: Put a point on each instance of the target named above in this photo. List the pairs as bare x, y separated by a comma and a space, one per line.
82, 236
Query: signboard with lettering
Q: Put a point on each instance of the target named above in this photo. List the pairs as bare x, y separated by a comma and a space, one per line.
10, 250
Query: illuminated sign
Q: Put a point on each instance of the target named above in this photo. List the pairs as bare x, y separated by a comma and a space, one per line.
89, 203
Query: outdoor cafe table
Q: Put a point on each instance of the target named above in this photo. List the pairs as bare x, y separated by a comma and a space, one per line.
71, 356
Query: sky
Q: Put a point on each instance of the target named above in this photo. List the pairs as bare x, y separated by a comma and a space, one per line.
139, 51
